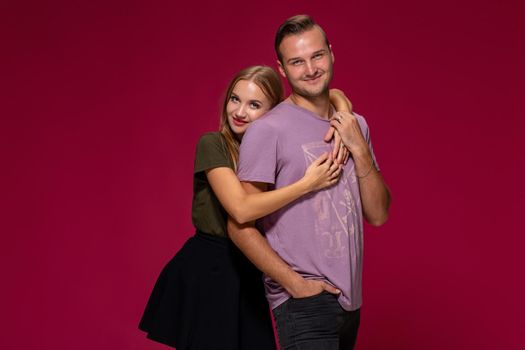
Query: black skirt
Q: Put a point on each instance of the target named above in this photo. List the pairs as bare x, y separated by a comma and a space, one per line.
209, 296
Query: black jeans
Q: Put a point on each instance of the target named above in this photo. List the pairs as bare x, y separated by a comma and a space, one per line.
316, 323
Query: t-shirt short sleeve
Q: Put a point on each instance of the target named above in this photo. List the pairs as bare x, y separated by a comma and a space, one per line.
211, 153
258, 154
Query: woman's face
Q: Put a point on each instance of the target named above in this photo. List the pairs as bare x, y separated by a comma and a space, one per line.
247, 103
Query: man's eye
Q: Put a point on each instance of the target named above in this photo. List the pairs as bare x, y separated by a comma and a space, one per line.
296, 63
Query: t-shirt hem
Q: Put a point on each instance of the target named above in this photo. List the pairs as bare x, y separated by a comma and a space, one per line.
347, 307
256, 178
279, 302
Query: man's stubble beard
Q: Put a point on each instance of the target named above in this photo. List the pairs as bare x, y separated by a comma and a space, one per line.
305, 93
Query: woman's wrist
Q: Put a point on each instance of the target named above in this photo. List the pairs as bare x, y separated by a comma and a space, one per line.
304, 185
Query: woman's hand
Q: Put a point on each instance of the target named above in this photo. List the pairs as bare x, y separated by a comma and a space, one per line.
348, 128
323, 172
339, 151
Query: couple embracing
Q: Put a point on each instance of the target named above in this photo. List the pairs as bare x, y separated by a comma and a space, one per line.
305, 168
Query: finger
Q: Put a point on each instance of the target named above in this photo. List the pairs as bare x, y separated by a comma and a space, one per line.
331, 289
329, 160
347, 155
335, 174
333, 167
335, 124
341, 154
321, 159
337, 145
329, 134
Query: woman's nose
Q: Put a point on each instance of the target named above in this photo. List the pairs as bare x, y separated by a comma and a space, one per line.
241, 111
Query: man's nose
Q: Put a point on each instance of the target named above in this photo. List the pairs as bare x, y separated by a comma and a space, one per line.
310, 68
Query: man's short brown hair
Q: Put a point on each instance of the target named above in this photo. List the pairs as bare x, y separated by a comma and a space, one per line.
295, 25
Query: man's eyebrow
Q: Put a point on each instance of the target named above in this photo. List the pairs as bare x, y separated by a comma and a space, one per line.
293, 59
299, 58
319, 51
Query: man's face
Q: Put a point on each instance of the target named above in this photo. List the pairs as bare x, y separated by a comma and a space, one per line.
307, 62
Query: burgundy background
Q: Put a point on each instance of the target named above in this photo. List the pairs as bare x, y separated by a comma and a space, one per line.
102, 104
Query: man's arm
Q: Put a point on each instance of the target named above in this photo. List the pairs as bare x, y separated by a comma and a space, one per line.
256, 248
375, 196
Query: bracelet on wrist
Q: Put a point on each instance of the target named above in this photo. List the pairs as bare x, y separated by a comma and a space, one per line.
368, 171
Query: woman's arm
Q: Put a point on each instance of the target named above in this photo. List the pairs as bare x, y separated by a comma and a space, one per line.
339, 100
341, 104
244, 207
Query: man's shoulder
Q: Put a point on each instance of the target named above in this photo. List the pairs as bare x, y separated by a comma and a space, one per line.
283, 109
359, 117
361, 120
276, 117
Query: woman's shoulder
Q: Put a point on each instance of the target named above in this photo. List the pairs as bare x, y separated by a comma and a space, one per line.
212, 142
211, 152
211, 139
211, 136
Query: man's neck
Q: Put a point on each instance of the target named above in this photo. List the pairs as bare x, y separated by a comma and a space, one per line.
319, 105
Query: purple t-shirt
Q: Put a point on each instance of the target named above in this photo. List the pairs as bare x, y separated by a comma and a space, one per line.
321, 234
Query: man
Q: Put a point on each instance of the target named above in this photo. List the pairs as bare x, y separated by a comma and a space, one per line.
312, 253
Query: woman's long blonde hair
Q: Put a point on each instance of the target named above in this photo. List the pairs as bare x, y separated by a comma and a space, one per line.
268, 80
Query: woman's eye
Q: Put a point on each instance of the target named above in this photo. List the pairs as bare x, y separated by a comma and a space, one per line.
255, 105
234, 98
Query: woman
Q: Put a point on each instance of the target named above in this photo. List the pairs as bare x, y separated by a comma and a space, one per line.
209, 296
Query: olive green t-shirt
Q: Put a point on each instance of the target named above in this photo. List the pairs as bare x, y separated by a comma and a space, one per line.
208, 215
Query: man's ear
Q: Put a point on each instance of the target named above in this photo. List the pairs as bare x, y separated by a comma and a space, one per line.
281, 69
332, 53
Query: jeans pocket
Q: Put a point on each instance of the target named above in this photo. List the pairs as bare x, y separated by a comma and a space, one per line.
311, 297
